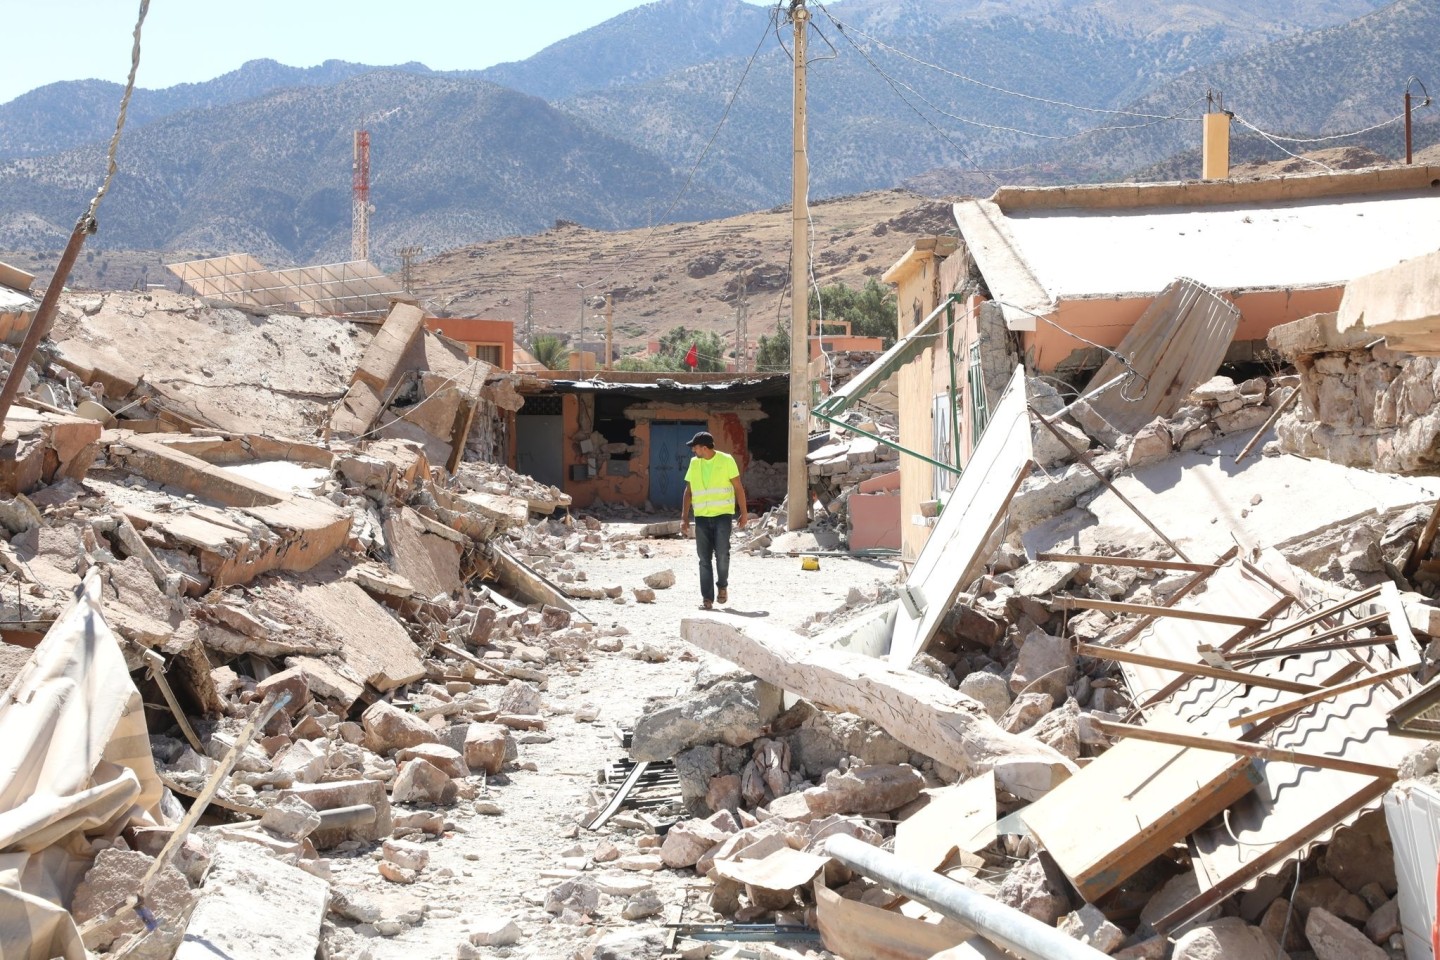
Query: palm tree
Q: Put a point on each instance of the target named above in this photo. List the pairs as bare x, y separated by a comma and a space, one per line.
550, 351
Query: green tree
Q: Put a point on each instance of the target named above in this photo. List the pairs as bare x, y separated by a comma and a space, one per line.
869, 310
710, 350
550, 351
773, 352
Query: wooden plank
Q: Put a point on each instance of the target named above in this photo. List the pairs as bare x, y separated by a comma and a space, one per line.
1252, 656
961, 817
1423, 544
849, 928
1177, 344
1324, 613
1265, 428
1129, 562
1083, 458
1255, 751
1193, 669
1149, 610
1135, 801
1254, 644
1319, 696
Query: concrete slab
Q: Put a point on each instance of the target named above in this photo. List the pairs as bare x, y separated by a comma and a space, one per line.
254, 907
1204, 502
383, 356
376, 646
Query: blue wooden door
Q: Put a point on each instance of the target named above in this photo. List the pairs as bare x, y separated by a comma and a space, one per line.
669, 456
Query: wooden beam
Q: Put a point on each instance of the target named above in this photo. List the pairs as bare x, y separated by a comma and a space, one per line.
1319, 696
1270, 858
1256, 751
1294, 393
1083, 458
1250, 656
1129, 562
1193, 669
1311, 619
1149, 610
1427, 538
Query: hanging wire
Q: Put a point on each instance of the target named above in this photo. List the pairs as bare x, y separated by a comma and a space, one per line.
975, 167
1008, 92
1246, 123
694, 167
110, 163
1117, 357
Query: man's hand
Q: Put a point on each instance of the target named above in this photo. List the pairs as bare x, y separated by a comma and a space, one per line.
684, 528
743, 519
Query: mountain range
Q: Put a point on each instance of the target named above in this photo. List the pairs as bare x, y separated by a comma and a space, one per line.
617, 126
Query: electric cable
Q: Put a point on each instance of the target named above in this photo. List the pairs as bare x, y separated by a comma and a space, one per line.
695, 167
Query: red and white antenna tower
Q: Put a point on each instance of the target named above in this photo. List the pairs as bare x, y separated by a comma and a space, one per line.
360, 182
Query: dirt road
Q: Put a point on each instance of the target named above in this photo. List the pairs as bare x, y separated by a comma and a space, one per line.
502, 866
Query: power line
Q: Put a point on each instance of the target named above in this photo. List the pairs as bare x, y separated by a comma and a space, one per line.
695, 167
1246, 123
998, 89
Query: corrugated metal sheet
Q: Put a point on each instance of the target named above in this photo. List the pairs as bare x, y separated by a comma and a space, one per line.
1176, 345
1290, 807
1412, 812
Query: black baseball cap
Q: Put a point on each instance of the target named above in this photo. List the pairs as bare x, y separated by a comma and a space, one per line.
703, 438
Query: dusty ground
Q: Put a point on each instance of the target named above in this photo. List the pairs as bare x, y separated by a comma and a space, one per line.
503, 866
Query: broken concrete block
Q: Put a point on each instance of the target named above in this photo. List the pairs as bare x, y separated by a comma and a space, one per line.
1327, 894
866, 790
643, 595
114, 878
990, 690
486, 747
1091, 927
1044, 577
1228, 938
448, 760
578, 895
730, 712
381, 362
420, 781
1029, 778
1151, 444
388, 728
411, 856
630, 945
1026, 711
396, 873
1384, 923
663, 580
1028, 890
494, 932
254, 907
1046, 664
424, 552
1333, 939
336, 794
520, 699
291, 817
376, 646
689, 840
647, 903
303, 761
291, 680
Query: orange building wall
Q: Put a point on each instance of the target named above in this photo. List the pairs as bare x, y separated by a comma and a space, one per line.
729, 427
473, 332
1108, 321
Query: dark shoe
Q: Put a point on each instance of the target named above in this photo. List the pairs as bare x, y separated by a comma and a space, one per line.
706, 605
723, 595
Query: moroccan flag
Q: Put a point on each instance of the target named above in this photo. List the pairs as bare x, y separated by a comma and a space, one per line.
692, 359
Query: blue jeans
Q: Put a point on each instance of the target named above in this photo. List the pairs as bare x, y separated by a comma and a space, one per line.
712, 539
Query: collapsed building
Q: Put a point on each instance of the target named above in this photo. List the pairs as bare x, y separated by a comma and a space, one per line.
1155, 682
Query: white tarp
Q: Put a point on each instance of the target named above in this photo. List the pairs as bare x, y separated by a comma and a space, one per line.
75, 766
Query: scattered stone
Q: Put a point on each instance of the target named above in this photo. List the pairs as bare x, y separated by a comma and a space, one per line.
1090, 926
663, 580
420, 781
494, 932
642, 905
643, 595
1333, 939
411, 856
990, 690
291, 817
388, 728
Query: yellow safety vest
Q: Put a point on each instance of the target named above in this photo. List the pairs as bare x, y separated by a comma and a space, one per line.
711, 492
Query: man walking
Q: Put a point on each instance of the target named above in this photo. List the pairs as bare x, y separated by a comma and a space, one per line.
712, 485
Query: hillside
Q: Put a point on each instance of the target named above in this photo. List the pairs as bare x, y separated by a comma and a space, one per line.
453, 161
681, 274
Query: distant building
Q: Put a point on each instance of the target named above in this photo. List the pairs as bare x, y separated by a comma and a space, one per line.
492, 341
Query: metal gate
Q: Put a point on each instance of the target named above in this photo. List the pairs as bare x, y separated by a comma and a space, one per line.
669, 456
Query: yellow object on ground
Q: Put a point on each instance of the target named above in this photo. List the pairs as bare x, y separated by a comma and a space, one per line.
809, 563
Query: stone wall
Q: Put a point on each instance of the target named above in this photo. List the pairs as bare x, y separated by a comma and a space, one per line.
1361, 404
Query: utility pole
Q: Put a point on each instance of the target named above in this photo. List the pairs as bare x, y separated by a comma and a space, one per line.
407, 267
581, 358
797, 512
742, 333
609, 331
529, 318
360, 191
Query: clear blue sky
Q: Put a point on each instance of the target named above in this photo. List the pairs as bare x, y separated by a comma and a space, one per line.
186, 41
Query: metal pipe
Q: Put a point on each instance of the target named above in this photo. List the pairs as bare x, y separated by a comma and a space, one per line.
1003, 926
360, 813
954, 404
1409, 133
